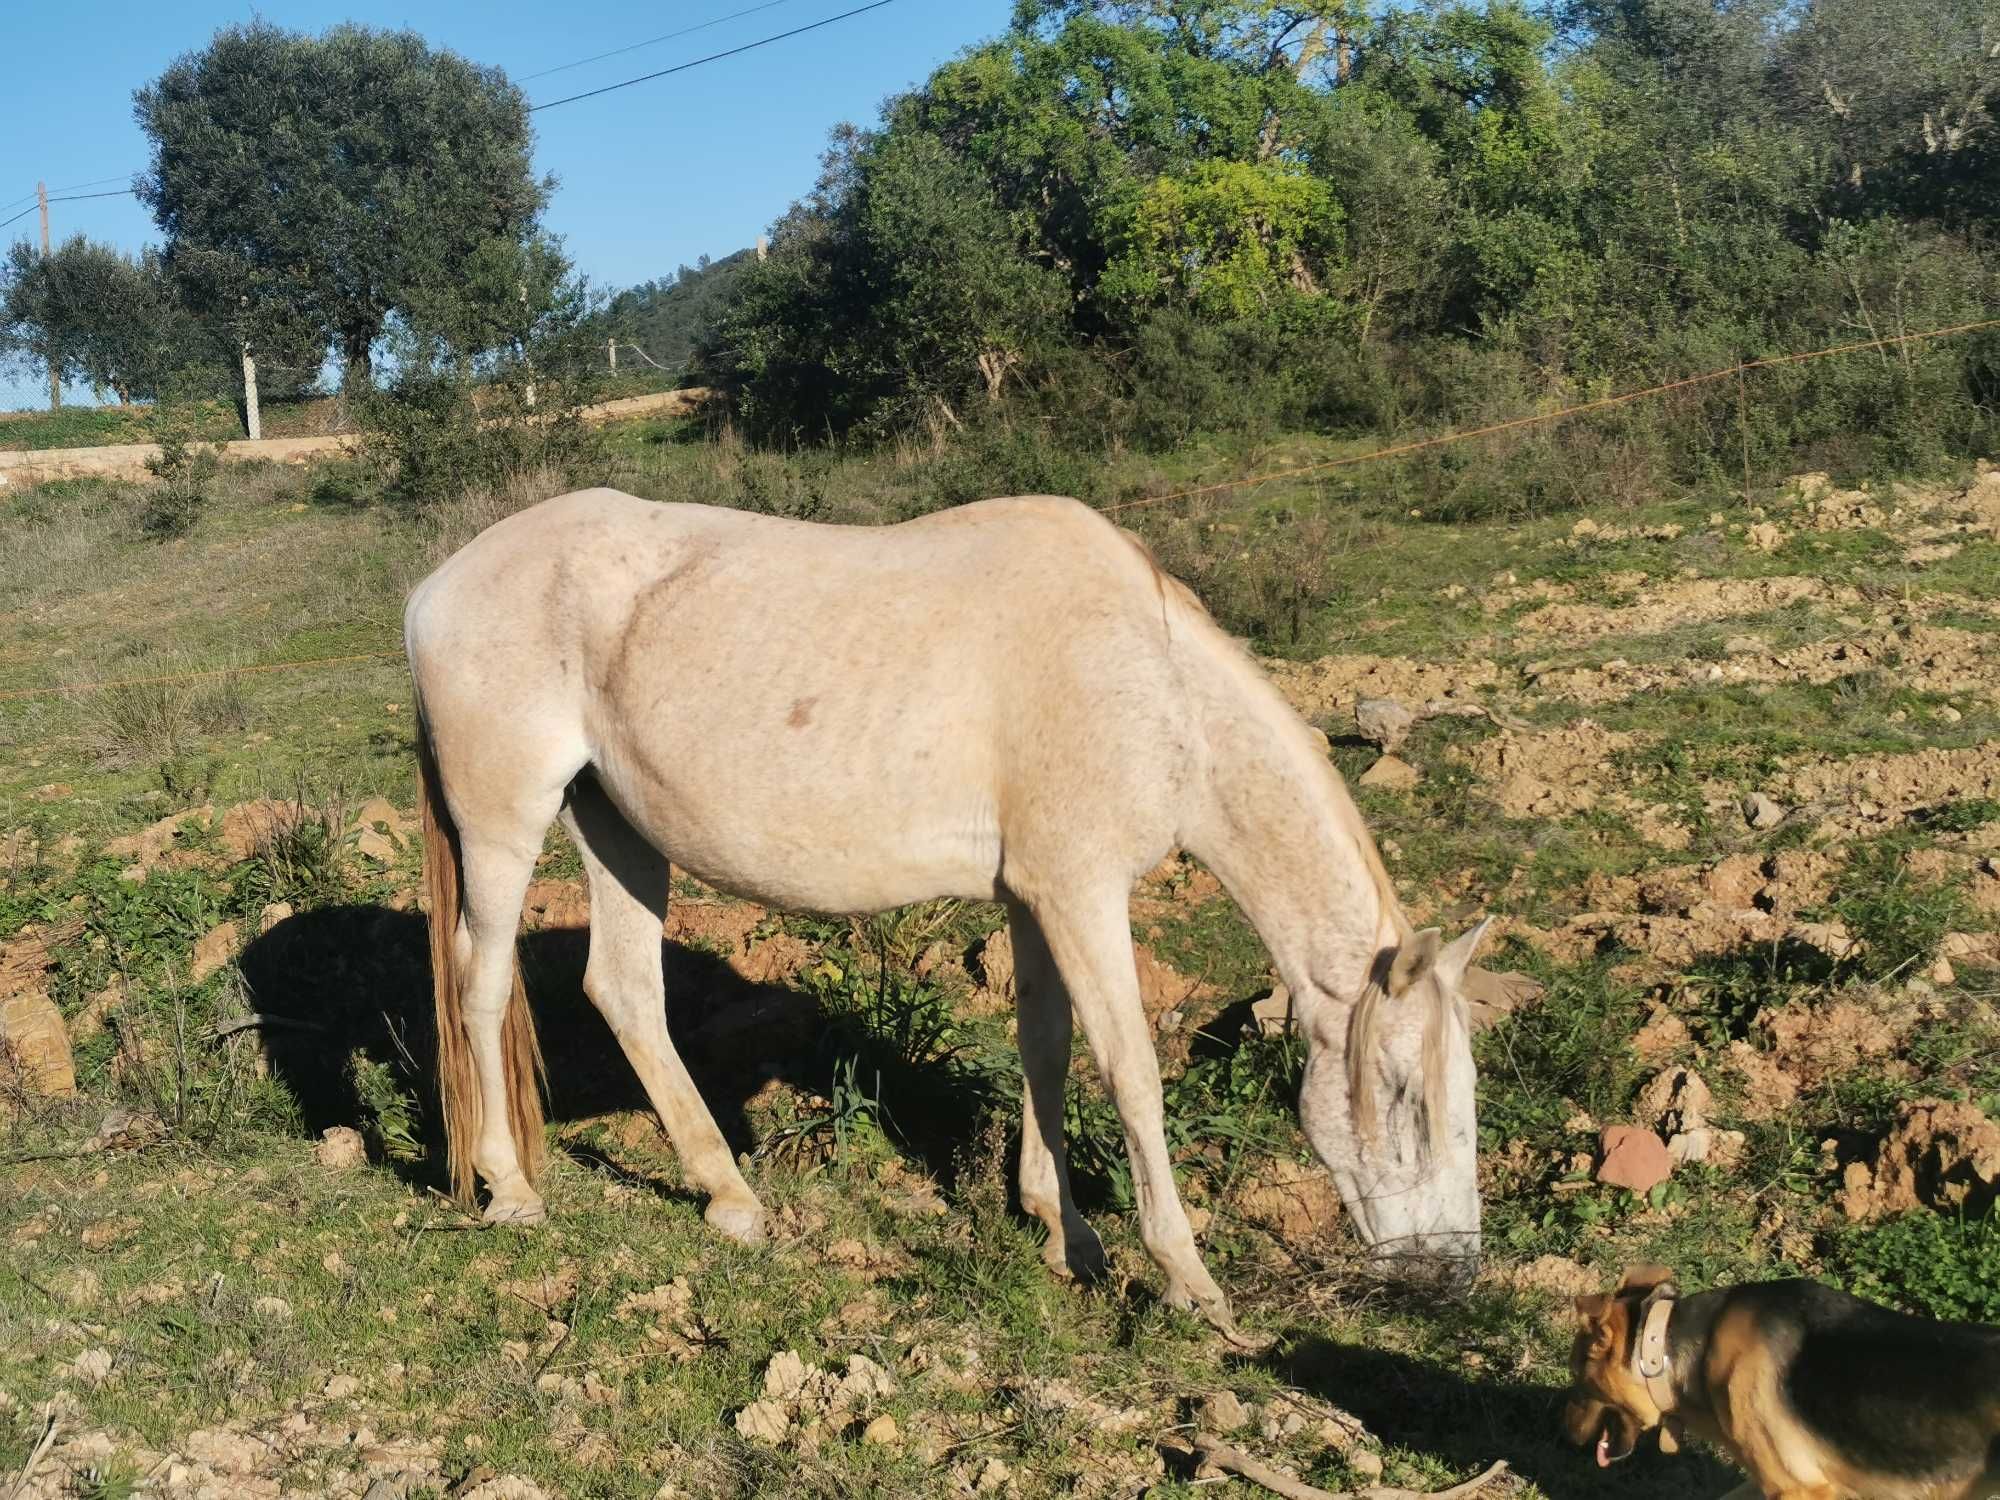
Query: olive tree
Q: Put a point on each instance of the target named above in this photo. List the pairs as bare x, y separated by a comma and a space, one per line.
344, 178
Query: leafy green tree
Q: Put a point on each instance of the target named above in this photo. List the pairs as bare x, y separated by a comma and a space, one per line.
1230, 239
1297, 36
343, 178
289, 344
106, 319
1905, 96
1396, 211
899, 291
1190, 215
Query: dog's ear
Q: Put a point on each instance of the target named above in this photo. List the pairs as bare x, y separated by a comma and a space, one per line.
1594, 1316
1644, 1279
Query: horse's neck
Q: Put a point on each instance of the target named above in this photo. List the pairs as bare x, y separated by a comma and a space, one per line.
1275, 824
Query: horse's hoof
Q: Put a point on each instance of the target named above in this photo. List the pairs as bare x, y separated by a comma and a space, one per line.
1078, 1254
1245, 1343
516, 1211
743, 1223
1214, 1310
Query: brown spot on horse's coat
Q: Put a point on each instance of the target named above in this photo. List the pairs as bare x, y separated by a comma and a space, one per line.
802, 712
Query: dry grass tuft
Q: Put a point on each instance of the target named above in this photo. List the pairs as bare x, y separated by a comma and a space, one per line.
150, 722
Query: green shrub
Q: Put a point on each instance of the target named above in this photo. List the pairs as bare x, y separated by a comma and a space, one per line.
1924, 1262
184, 468
1001, 457
435, 433
343, 486
1572, 1050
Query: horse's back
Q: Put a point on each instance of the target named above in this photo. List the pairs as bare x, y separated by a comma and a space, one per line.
627, 575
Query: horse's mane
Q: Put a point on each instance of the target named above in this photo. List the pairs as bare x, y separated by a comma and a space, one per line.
1364, 1036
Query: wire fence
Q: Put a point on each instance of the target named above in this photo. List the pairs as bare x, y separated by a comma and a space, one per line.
1377, 455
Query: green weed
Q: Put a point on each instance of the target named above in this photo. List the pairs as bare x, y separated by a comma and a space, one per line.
1900, 919
1924, 1262
1569, 1051
302, 856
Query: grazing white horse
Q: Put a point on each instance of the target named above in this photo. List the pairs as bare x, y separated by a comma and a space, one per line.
1008, 701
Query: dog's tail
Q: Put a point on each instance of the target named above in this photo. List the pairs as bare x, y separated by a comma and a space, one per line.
523, 1073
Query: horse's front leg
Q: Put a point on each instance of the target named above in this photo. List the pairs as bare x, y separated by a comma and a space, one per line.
1089, 935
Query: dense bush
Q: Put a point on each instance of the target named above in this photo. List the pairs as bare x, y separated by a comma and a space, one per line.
1149, 222
475, 410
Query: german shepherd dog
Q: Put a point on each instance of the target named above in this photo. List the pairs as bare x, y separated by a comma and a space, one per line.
1818, 1395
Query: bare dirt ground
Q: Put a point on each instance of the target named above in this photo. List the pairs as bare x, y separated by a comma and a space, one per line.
1728, 780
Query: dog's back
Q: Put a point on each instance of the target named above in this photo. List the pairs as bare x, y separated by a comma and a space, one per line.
1895, 1397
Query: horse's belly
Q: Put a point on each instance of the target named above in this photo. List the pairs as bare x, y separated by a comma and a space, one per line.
839, 883
771, 830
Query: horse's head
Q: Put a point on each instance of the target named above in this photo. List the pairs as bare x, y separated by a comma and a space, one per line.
1388, 1104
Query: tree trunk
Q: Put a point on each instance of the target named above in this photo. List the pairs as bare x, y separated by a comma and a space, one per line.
993, 367
354, 353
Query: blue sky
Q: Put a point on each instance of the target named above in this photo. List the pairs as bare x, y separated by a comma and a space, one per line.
650, 177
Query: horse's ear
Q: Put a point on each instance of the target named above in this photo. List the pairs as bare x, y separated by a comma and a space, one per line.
1417, 957
1456, 959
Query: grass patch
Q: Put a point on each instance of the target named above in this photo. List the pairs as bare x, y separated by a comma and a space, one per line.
869, 1069
1214, 943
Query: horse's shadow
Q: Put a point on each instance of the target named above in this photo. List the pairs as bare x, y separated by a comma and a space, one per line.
1469, 1419
346, 996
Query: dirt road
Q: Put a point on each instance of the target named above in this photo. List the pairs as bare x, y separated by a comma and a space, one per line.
20, 468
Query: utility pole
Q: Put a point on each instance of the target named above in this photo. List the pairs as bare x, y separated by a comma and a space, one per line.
252, 419
55, 365
614, 356
527, 363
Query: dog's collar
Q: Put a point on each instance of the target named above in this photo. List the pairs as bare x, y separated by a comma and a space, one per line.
1651, 1364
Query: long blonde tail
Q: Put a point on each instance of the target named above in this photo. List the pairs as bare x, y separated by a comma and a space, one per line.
521, 1054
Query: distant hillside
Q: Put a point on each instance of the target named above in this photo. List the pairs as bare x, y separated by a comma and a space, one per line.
667, 318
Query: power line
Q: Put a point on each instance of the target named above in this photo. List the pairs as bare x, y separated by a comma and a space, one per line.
713, 56
68, 188
734, 15
767, 41
72, 187
72, 198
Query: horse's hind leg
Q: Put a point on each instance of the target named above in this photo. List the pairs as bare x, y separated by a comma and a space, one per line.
497, 867
628, 903
1042, 1006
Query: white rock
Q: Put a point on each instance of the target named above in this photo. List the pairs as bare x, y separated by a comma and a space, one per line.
1759, 811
